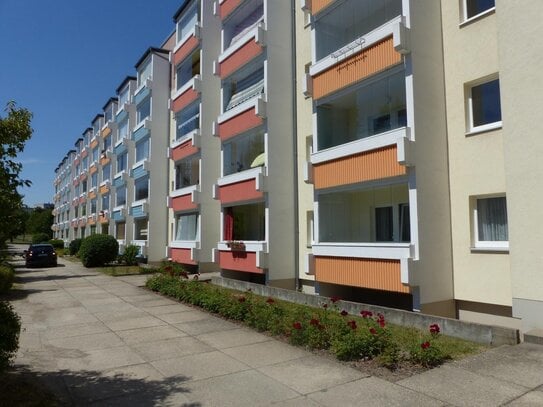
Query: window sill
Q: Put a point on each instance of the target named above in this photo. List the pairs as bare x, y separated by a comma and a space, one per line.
504, 250
477, 17
484, 129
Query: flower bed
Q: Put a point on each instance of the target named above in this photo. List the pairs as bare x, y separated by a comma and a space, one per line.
348, 337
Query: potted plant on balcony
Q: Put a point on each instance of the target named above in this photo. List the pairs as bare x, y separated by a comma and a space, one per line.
236, 245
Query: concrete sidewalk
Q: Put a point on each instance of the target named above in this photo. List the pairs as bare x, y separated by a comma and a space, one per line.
99, 340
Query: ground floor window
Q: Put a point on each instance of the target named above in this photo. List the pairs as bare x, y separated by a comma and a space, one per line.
491, 229
141, 229
120, 228
186, 226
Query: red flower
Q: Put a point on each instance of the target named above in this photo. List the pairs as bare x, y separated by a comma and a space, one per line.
168, 268
352, 324
335, 299
425, 345
366, 314
297, 325
325, 305
270, 300
242, 299
380, 320
314, 322
434, 329
344, 313
373, 331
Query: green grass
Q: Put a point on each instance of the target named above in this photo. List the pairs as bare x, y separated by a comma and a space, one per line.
124, 270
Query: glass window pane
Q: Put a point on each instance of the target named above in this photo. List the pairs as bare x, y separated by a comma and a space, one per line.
384, 224
187, 227
120, 230
474, 7
142, 150
120, 196
243, 153
492, 219
245, 222
141, 188
140, 229
187, 172
189, 19
485, 99
143, 110
187, 120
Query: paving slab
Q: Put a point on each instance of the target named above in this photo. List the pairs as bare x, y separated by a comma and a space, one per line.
102, 359
371, 391
310, 374
233, 337
170, 348
87, 342
200, 366
166, 309
133, 323
531, 399
149, 334
183, 316
266, 353
460, 387
74, 330
206, 325
247, 388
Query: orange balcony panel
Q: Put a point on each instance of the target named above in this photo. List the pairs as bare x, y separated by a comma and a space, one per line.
84, 153
183, 150
93, 169
239, 191
242, 56
181, 256
376, 274
103, 219
227, 6
104, 189
92, 195
318, 5
239, 261
183, 203
91, 221
106, 132
184, 99
370, 61
239, 124
367, 166
93, 143
185, 49
104, 160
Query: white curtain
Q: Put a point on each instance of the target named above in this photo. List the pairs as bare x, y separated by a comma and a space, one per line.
187, 227
492, 219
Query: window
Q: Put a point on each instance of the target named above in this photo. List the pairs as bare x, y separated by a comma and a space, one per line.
472, 8
84, 209
187, 120
95, 154
145, 71
141, 188
490, 223
187, 172
83, 186
120, 196
140, 229
123, 130
106, 172
384, 224
244, 89
107, 144
142, 150
105, 230
188, 69
105, 202
484, 106
109, 112
84, 163
186, 227
245, 222
94, 180
143, 110
120, 228
123, 96
122, 161
243, 152
405, 225
188, 20
93, 206
246, 18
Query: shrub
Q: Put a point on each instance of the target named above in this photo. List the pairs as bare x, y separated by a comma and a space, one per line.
428, 352
10, 327
74, 246
40, 238
130, 255
57, 243
6, 277
97, 250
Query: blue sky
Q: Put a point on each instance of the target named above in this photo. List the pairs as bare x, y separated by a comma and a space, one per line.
63, 59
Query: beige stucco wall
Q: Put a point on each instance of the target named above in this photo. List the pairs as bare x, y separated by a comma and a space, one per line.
475, 161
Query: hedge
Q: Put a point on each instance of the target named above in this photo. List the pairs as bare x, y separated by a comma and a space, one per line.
98, 250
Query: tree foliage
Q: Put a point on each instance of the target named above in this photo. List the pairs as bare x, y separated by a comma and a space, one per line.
40, 221
15, 131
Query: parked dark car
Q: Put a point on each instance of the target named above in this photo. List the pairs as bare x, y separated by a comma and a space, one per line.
40, 255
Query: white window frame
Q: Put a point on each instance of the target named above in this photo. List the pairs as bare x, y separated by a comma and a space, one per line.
485, 127
485, 245
466, 19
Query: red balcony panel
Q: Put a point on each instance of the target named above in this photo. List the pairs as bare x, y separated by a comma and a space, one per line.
239, 124
227, 6
76, 161
181, 256
185, 49
239, 261
239, 191
84, 153
183, 150
183, 203
184, 99
242, 56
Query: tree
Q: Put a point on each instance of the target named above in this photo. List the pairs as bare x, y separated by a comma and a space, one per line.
40, 221
15, 131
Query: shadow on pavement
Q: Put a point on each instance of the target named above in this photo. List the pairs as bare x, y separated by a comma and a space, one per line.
93, 388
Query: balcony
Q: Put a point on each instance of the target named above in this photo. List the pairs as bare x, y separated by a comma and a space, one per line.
187, 94
143, 91
139, 209
140, 169
184, 252
244, 50
185, 146
105, 187
184, 199
120, 179
103, 217
119, 213
241, 118
187, 44
242, 186
247, 257
142, 130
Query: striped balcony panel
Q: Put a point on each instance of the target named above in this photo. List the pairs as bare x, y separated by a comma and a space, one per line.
138, 211
117, 216
141, 133
138, 172
143, 93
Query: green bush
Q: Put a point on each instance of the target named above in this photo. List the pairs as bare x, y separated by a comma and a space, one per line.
130, 255
6, 277
98, 250
57, 243
74, 246
10, 327
40, 238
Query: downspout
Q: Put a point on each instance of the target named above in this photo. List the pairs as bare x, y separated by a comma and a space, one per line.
295, 148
